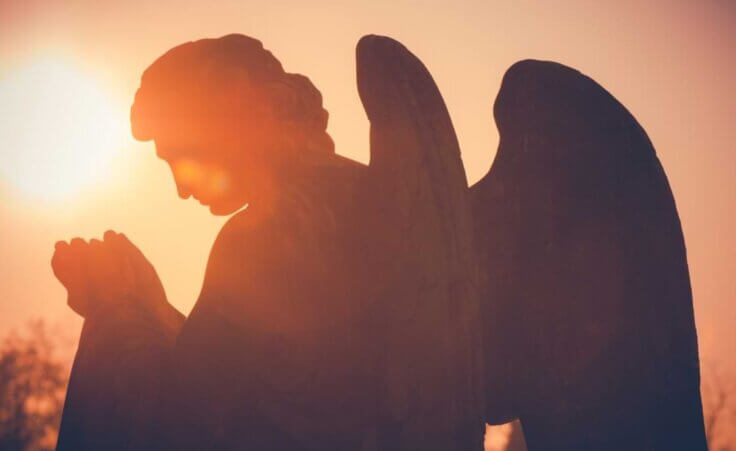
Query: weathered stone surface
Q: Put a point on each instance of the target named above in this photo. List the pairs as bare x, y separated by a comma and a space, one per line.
116, 398
339, 311
276, 354
342, 309
429, 307
589, 332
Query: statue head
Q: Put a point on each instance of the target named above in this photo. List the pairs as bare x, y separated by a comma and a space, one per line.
229, 121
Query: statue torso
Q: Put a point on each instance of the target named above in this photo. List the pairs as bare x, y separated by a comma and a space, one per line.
277, 342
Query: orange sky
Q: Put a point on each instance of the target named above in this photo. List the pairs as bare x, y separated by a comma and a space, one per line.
671, 64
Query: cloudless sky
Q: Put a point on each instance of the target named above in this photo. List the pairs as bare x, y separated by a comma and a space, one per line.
671, 63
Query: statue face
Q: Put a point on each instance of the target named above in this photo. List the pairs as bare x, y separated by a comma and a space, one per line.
229, 121
223, 161
214, 182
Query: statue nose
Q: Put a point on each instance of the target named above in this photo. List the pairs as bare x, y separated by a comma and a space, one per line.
183, 187
187, 175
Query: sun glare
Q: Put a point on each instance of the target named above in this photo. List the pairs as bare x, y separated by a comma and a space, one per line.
59, 132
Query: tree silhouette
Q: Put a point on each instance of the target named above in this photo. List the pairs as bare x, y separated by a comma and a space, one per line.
32, 385
719, 408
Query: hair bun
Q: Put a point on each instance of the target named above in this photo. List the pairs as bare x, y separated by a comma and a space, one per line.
222, 86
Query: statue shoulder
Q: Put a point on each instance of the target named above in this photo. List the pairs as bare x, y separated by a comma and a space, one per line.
298, 236
292, 213
267, 239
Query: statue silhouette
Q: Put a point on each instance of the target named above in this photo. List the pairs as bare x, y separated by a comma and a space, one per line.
590, 337
389, 307
336, 311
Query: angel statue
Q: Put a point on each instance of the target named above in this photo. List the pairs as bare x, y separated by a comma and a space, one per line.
340, 309
389, 306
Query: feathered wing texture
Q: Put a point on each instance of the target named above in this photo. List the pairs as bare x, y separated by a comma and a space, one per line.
587, 300
428, 277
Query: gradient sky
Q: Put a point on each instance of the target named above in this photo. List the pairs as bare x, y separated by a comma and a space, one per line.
671, 63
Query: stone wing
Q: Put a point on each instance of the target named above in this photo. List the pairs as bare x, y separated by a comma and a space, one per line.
587, 300
427, 274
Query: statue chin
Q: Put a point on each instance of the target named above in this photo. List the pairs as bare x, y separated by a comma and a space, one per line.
225, 208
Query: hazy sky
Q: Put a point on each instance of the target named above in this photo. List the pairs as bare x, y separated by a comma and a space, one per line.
671, 63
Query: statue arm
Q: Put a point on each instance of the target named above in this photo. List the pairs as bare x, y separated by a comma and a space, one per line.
120, 374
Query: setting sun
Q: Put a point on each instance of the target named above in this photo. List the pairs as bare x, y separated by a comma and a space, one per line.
62, 132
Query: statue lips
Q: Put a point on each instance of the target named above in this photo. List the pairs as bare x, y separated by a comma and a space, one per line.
198, 198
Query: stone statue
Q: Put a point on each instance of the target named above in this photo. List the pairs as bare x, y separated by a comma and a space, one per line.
389, 307
589, 331
340, 309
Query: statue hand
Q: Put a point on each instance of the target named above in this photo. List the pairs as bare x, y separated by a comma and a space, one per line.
108, 271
